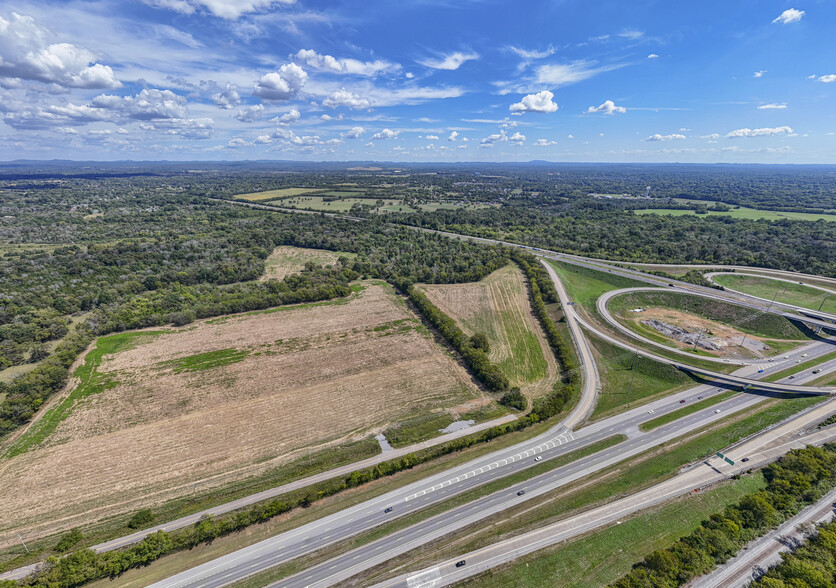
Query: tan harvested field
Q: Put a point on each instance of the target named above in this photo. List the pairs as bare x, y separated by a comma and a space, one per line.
306, 377
276, 194
498, 306
286, 260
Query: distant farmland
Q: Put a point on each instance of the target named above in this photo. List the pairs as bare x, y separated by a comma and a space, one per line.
228, 398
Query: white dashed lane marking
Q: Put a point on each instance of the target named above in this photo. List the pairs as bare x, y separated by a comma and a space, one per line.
550, 444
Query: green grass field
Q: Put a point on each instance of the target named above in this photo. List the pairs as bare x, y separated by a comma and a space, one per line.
741, 212
497, 306
782, 291
276, 194
585, 286
605, 555
652, 379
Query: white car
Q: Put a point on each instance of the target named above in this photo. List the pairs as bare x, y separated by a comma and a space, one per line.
650, 411
538, 458
786, 357
717, 411
803, 355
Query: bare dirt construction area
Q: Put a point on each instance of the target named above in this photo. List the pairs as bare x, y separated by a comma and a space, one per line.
286, 260
227, 398
713, 337
498, 306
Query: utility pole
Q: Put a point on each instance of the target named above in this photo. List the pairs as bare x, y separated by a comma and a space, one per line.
699, 338
826, 294
633, 369
776, 296
22, 543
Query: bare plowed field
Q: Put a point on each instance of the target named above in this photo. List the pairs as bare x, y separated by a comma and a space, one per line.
286, 260
224, 399
498, 306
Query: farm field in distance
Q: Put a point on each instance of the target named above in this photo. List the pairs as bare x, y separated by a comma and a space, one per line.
498, 306
378, 198
286, 260
227, 398
739, 212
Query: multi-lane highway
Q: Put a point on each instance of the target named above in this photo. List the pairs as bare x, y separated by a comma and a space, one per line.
760, 450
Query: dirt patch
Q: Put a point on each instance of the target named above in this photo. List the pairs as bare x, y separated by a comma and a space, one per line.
689, 329
286, 260
312, 376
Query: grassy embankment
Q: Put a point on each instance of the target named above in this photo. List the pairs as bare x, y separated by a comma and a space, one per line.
781, 290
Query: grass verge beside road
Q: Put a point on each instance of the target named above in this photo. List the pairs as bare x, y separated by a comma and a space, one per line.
603, 556
617, 368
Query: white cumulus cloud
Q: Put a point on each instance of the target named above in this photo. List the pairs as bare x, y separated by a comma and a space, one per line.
539, 102
544, 142
773, 106
25, 54
764, 132
354, 133
431, 137
345, 98
283, 84
653, 56
345, 66
288, 118
789, 15
759, 73
608, 107
671, 137
450, 62
385, 134
228, 98
454, 135
250, 113
826, 79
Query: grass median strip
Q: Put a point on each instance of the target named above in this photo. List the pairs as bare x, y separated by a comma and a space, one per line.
604, 555
686, 410
800, 367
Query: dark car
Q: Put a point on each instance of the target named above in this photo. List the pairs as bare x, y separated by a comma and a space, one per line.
521, 492
699, 397
460, 563
745, 459
388, 509
671, 285
682, 401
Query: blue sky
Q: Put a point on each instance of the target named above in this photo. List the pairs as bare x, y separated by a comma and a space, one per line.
419, 80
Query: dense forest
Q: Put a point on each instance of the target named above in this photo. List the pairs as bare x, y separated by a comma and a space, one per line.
803, 246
